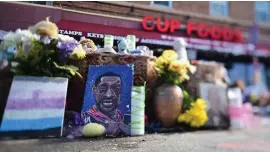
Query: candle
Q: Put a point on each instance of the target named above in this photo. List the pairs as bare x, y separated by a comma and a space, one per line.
235, 108
137, 110
131, 42
108, 41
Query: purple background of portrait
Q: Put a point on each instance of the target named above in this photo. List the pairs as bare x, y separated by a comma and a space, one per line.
126, 74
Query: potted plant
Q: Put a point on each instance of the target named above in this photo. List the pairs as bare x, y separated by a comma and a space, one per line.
168, 98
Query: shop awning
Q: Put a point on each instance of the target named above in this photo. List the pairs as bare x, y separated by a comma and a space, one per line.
91, 30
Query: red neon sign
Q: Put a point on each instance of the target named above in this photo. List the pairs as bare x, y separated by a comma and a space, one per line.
201, 30
169, 25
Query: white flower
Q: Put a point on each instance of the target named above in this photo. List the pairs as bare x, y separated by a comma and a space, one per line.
10, 36
192, 69
65, 38
20, 36
7, 44
46, 40
21, 40
14, 64
24, 35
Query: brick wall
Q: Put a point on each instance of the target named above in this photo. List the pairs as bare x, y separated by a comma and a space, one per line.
118, 10
241, 10
198, 7
192, 6
91, 6
141, 2
104, 8
237, 10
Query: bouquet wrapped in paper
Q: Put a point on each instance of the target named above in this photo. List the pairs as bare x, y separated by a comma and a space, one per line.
41, 51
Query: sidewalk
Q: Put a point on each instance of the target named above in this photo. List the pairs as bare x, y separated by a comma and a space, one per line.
252, 140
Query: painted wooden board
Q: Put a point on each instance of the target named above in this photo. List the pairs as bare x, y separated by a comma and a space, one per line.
107, 99
35, 107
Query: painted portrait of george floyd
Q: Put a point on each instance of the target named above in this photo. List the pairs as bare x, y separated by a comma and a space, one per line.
107, 99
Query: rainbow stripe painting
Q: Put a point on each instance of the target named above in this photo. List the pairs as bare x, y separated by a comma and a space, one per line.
35, 107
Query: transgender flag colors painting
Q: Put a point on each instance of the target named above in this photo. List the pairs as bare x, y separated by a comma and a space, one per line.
35, 107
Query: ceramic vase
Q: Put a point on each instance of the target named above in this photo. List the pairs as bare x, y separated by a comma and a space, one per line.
168, 101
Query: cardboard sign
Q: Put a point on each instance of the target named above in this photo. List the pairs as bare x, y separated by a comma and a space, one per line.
35, 107
107, 99
235, 96
217, 104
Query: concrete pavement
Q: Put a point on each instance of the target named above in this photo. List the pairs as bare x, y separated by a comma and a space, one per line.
252, 140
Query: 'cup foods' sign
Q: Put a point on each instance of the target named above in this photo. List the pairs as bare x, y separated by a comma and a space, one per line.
214, 32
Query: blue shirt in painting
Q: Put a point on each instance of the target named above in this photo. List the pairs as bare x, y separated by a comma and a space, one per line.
114, 125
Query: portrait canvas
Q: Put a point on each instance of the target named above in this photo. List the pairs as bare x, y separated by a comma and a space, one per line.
35, 107
107, 99
217, 104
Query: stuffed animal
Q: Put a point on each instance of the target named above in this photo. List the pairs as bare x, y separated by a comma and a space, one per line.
88, 45
45, 28
122, 45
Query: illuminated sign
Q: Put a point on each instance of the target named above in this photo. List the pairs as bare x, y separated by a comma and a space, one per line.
214, 32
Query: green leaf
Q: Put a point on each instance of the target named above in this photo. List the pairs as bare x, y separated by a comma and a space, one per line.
79, 75
70, 68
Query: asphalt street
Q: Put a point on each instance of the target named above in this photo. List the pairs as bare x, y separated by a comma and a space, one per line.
248, 140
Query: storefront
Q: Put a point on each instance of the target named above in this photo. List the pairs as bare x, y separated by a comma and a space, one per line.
205, 42
149, 32
155, 32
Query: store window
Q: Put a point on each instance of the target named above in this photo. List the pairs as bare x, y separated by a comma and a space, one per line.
218, 8
245, 72
262, 12
162, 3
238, 72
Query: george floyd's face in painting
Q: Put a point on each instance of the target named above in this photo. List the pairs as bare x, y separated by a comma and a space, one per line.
107, 93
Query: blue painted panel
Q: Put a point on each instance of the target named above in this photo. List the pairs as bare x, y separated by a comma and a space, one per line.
31, 124
35, 104
103, 103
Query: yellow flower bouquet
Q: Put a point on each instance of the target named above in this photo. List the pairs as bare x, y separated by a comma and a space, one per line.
171, 69
176, 71
196, 116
